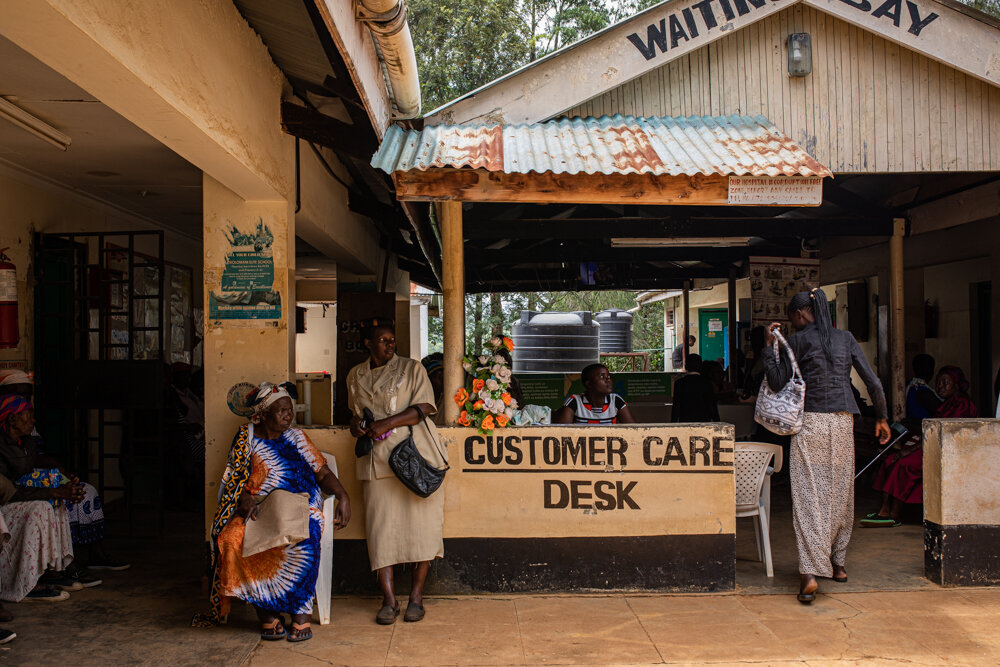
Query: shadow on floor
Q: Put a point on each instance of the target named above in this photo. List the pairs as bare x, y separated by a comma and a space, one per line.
878, 559
139, 616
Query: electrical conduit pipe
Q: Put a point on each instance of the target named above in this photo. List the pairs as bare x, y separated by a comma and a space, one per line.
386, 19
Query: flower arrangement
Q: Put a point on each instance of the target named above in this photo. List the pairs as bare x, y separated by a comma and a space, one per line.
485, 401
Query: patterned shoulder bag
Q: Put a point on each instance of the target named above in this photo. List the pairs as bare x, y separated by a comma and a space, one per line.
782, 411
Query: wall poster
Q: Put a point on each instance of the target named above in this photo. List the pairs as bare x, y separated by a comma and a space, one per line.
246, 289
774, 281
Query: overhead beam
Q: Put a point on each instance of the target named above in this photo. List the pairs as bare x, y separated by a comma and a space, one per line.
515, 254
318, 128
599, 228
476, 185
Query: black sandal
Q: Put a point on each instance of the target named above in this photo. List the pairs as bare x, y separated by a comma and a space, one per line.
807, 598
270, 631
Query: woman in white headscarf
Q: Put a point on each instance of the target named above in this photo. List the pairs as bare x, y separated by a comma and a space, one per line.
267, 455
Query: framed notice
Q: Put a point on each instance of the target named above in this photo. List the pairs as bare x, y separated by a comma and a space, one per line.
777, 190
774, 281
246, 288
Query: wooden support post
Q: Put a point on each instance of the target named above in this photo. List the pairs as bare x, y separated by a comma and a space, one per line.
734, 340
453, 284
687, 329
897, 327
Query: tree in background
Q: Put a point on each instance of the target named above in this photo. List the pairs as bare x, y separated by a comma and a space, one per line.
462, 45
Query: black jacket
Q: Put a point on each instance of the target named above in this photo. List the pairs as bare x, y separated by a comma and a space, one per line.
828, 382
694, 400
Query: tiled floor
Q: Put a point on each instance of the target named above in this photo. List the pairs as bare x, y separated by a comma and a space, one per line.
928, 627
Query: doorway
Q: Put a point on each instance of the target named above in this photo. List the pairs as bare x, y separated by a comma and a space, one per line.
713, 330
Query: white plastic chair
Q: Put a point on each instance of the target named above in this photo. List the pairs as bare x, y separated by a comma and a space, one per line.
753, 471
324, 582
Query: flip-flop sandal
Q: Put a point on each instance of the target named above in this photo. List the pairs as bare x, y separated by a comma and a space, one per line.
300, 633
873, 515
880, 522
269, 633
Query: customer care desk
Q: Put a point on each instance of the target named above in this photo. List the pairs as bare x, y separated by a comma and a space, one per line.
549, 508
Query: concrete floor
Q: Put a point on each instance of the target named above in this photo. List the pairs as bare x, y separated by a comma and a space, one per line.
954, 627
887, 610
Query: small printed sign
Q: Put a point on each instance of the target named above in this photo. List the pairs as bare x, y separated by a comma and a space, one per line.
779, 190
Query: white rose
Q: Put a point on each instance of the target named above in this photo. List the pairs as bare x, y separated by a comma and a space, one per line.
485, 395
509, 411
484, 360
492, 384
503, 375
513, 404
499, 360
467, 366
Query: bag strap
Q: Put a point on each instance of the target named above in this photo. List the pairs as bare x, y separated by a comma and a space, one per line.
430, 434
796, 373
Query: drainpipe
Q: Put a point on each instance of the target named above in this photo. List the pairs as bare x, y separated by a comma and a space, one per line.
386, 19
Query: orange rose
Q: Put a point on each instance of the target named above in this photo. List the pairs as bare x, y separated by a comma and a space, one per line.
501, 420
505, 398
487, 424
461, 396
463, 418
508, 343
477, 385
478, 405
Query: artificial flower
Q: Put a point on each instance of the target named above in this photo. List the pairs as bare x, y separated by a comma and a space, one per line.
492, 384
483, 360
508, 343
487, 424
513, 403
478, 384
478, 405
467, 365
505, 397
461, 396
509, 413
500, 360
502, 420
463, 418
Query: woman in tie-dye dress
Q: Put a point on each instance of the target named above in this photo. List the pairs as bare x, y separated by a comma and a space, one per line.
266, 455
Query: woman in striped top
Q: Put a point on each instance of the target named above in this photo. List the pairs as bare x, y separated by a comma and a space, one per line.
597, 404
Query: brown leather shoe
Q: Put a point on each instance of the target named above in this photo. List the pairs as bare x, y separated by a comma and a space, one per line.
387, 615
414, 612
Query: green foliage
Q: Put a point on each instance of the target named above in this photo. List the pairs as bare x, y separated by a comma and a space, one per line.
462, 45
991, 7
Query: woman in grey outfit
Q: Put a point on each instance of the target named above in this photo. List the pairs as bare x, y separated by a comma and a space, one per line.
821, 463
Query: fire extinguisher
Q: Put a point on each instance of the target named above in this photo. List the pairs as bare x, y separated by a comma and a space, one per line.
9, 333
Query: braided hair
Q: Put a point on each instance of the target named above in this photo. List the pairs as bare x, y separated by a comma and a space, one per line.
815, 302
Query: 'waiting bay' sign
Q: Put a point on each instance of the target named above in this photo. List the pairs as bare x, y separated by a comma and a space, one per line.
699, 19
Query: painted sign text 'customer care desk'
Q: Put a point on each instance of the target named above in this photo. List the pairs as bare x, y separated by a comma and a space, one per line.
569, 508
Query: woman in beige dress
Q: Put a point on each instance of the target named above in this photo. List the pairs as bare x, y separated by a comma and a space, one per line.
401, 527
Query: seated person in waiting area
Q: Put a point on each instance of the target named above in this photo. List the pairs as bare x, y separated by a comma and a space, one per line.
900, 479
598, 404
694, 396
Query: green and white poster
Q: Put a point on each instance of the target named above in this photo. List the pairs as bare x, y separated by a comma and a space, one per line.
246, 289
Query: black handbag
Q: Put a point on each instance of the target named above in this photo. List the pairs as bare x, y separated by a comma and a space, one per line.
413, 470
364, 444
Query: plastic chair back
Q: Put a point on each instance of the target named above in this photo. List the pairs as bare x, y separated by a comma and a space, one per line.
751, 461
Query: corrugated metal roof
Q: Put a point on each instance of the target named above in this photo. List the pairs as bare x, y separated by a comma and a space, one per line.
725, 145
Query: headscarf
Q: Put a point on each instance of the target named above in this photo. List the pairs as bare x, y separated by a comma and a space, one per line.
14, 376
11, 405
957, 376
266, 395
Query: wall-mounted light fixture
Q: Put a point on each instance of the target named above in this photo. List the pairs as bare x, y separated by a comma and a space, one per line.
38, 127
800, 61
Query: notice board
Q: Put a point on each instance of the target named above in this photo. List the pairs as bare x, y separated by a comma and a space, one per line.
773, 283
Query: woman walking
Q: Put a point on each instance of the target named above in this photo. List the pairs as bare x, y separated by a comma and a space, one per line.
822, 453
401, 527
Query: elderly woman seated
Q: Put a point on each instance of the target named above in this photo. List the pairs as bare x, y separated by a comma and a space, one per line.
29, 465
271, 461
900, 479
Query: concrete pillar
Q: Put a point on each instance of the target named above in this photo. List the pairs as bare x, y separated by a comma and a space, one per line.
897, 346
961, 513
242, 350
734, 341
685, 307
453, 284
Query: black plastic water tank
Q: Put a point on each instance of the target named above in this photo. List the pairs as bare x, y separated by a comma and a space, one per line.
616, 330
555, 342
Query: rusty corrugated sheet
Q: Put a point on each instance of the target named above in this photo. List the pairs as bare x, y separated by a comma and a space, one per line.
726, 145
